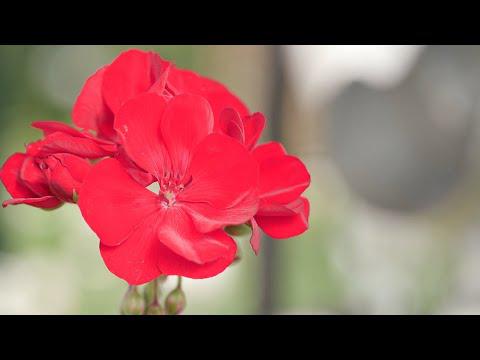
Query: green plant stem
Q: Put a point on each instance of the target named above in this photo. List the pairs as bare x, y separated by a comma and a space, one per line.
155, 293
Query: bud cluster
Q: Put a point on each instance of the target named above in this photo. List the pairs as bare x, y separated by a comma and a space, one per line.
148, 302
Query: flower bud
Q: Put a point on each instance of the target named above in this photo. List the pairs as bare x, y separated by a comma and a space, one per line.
133, 302
175, 302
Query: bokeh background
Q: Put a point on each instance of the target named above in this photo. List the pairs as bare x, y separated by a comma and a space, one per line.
390, 134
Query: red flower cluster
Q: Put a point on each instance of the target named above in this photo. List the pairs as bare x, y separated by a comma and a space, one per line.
147, 121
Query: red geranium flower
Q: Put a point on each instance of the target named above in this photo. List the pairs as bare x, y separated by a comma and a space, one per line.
132, 73
207, 181
44, 182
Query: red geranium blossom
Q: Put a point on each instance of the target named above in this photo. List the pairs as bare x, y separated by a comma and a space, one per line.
132, 73
207, 181
44, 182
190, 134
135, 72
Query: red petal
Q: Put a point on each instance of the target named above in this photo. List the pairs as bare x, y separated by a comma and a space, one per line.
90, 110
144, 255
232, 125
34, 178
256, 237
49, 127
173, 264
208, 218
58, 134
44, 202
113, 204
254, 125
223, 173
185, 81
10, 176
58, 142
176, 231
162, 71
282, 227
267, 208
139, 175
138, 123
136, 259
282, 179
268, 150
133, 72
187, 121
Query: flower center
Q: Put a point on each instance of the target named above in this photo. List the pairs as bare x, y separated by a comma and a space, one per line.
168, 191
170, 197
169, 187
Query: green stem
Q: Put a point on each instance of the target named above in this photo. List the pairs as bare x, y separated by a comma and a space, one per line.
155, 293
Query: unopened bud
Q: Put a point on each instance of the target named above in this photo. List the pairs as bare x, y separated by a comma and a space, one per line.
155, 309
175, 302
133, 302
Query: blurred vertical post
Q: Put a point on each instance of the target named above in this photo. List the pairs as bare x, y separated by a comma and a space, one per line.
269, 278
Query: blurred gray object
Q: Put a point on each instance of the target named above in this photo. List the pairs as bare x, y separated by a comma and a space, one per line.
405, 147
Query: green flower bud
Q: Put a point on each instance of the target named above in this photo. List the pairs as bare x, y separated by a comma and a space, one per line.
175, 302
133, 302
